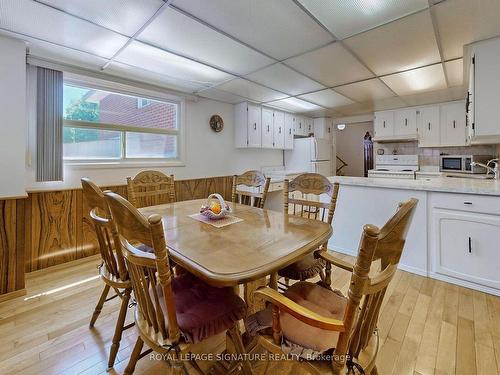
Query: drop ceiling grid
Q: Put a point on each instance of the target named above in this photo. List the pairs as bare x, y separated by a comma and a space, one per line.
288, 94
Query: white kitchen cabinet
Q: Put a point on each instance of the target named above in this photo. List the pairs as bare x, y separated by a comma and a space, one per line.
453, 124
300, 125
486, 91
323, 127
405, 123
248, 129
384, 124
428, 126
466, 246
309, 125
289, 132
279, 129
267, 128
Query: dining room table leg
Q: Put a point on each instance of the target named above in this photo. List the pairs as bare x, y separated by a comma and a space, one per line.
254, 305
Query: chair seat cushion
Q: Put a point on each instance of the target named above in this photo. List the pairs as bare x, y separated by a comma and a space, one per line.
203, 310
301, 338
325, 302
306, 268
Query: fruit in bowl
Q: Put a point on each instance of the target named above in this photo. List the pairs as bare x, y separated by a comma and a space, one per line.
216, 207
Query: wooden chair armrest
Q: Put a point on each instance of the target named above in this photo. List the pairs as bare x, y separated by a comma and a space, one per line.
301, 313
335, 261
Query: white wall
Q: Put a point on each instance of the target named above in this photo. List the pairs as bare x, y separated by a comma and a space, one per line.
207, 153
12, 117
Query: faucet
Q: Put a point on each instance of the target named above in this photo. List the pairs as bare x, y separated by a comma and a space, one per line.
495, 170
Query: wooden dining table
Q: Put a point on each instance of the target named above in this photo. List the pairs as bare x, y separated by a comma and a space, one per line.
245, 252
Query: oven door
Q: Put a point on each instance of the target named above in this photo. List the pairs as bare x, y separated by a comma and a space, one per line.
451, 164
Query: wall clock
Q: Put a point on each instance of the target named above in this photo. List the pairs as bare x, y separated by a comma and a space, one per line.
216, 123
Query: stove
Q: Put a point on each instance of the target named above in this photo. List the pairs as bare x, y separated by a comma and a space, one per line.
395, 166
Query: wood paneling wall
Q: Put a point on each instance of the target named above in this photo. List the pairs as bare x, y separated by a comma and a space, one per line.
12, 236
54, 227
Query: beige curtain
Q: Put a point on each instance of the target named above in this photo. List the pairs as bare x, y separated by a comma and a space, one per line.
49, 125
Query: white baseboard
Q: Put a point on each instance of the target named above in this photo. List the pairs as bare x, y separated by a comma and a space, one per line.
465, 284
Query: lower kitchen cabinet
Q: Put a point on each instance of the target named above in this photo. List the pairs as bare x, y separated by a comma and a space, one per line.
465, 244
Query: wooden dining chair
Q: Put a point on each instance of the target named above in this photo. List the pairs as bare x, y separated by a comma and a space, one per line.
150, 188
173, 312
112, 270
254, 180
313, 320
302, 198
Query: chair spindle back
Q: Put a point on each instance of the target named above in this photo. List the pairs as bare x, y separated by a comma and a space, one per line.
251, 179
150, 188
150, 274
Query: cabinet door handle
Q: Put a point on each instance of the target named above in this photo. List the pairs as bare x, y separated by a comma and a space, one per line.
268, 128
290, 131
384, 124
406, 122
309, 127
468, 203
279, 129
329, 130
454, 124
254, 126
429, 126
470, 245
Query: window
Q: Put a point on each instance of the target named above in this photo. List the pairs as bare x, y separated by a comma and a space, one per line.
141, 102
108, 126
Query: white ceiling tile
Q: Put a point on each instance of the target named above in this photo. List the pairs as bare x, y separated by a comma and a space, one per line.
439, 96
365, 91
388, 103
323, 113
124, 16
221, 96
429, 78
331, 65
461, 22
345, 18
156, 60
281, 77
143, 75
250, 90
355, 109
191, 38
455, 72
278, 27
294, 105
327, 98
37, 20
400, 45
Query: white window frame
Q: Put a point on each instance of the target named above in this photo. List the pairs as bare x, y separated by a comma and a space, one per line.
123, 161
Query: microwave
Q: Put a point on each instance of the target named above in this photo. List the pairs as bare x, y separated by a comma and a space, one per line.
462, 163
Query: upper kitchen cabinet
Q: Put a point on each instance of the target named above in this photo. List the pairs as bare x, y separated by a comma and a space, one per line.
428, 126
384, 125
323, 127
309, 125
267, 128
262, 127
484, 90
300, 125
289, 130
248, 128
405, 123
453, 124
279, 130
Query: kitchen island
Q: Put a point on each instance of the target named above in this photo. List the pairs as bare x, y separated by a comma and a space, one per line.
455, 233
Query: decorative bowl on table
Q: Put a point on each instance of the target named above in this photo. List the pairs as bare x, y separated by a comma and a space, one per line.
216, 208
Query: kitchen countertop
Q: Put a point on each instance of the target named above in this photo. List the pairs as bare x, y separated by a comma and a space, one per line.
444, 184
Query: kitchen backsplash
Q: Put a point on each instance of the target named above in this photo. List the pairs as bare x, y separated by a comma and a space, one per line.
429, 156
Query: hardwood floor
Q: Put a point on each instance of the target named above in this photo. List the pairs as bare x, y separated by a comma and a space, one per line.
426, 327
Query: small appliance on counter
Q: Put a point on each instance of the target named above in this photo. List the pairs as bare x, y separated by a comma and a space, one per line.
462, 163
395, 166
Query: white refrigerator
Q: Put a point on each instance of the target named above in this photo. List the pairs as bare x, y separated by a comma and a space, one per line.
311, 155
